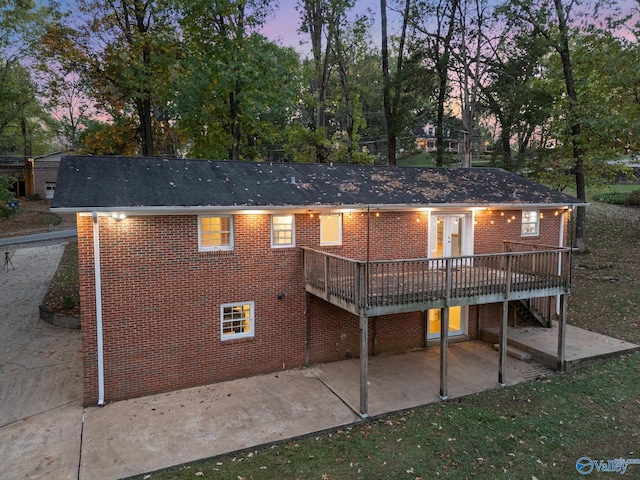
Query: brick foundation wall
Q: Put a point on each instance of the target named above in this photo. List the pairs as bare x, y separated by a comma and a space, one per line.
161, 296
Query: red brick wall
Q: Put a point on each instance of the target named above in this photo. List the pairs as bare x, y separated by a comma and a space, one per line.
161, 296
493, 226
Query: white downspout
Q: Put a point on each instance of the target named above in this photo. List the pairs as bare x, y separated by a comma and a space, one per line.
561, 245
98, 285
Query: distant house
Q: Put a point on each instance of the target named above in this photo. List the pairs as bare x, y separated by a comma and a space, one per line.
45, 173
35, 176
426, 138
195, 271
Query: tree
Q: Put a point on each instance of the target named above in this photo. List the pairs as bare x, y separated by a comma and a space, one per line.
515, 92
236, 87
21, 114
391, 94
578, 121
350, 49
64, 91
127, 51
469, 67
438, 45
6, 194
320, 19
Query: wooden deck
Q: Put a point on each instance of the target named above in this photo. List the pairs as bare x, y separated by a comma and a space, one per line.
374, 288
400, 286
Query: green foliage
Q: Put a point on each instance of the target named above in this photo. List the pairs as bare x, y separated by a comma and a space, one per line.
616, 198
6, 195
68, 303
633, 198
115, 138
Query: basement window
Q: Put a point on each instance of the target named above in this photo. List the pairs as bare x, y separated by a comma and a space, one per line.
236, 320
530, 223
215, 232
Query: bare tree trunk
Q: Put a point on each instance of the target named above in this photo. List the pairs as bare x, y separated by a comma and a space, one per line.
386, 82
314, 18
581, 214
391, 102
442, 68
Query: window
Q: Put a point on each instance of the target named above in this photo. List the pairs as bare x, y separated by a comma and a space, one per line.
282, 231
236, 320
331, 229
215, 233
530, 223
49, 189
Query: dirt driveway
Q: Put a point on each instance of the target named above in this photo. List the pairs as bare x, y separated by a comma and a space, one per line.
40, 374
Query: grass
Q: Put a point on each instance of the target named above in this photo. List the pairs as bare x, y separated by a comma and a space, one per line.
63, 295
534, 430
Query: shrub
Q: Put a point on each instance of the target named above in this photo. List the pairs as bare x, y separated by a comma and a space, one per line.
634, 198
617, 198
68, 303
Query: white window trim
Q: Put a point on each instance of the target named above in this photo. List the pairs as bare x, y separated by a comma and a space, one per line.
339, 242
293, 232
536, 223
202, 248
249, 334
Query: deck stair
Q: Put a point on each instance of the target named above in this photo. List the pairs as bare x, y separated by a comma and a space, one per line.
526, 311
514, 352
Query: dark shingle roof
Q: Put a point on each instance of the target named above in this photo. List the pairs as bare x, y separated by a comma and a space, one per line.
107, 183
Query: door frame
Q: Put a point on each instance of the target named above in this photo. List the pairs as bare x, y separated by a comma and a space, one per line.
466, 228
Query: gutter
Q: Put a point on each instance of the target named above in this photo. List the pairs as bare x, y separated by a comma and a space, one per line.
98, 286
187, 210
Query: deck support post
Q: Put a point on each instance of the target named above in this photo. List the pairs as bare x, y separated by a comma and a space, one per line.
375, 337
364, 363
562, 333
502, 379
444, 350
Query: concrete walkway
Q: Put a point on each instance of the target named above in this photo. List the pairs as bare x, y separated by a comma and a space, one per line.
39, 237
46, 433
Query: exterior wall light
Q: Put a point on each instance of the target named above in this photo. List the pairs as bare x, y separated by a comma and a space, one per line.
118, 216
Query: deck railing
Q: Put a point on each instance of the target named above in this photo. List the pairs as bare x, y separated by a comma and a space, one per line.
400, 285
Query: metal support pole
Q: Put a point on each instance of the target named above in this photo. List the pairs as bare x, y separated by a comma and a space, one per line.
364, 364
562, 333
503, 344
444, 350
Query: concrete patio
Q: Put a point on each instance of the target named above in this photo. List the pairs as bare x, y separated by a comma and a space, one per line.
582, 347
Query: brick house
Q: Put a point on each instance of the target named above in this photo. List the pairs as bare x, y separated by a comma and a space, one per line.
194, 272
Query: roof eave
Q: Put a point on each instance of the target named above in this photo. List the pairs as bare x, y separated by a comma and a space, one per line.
186, 210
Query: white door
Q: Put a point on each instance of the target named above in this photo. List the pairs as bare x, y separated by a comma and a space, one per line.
449, 236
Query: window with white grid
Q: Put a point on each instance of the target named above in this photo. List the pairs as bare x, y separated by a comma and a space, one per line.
283, 231
215, 232
236, 320
530, 223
